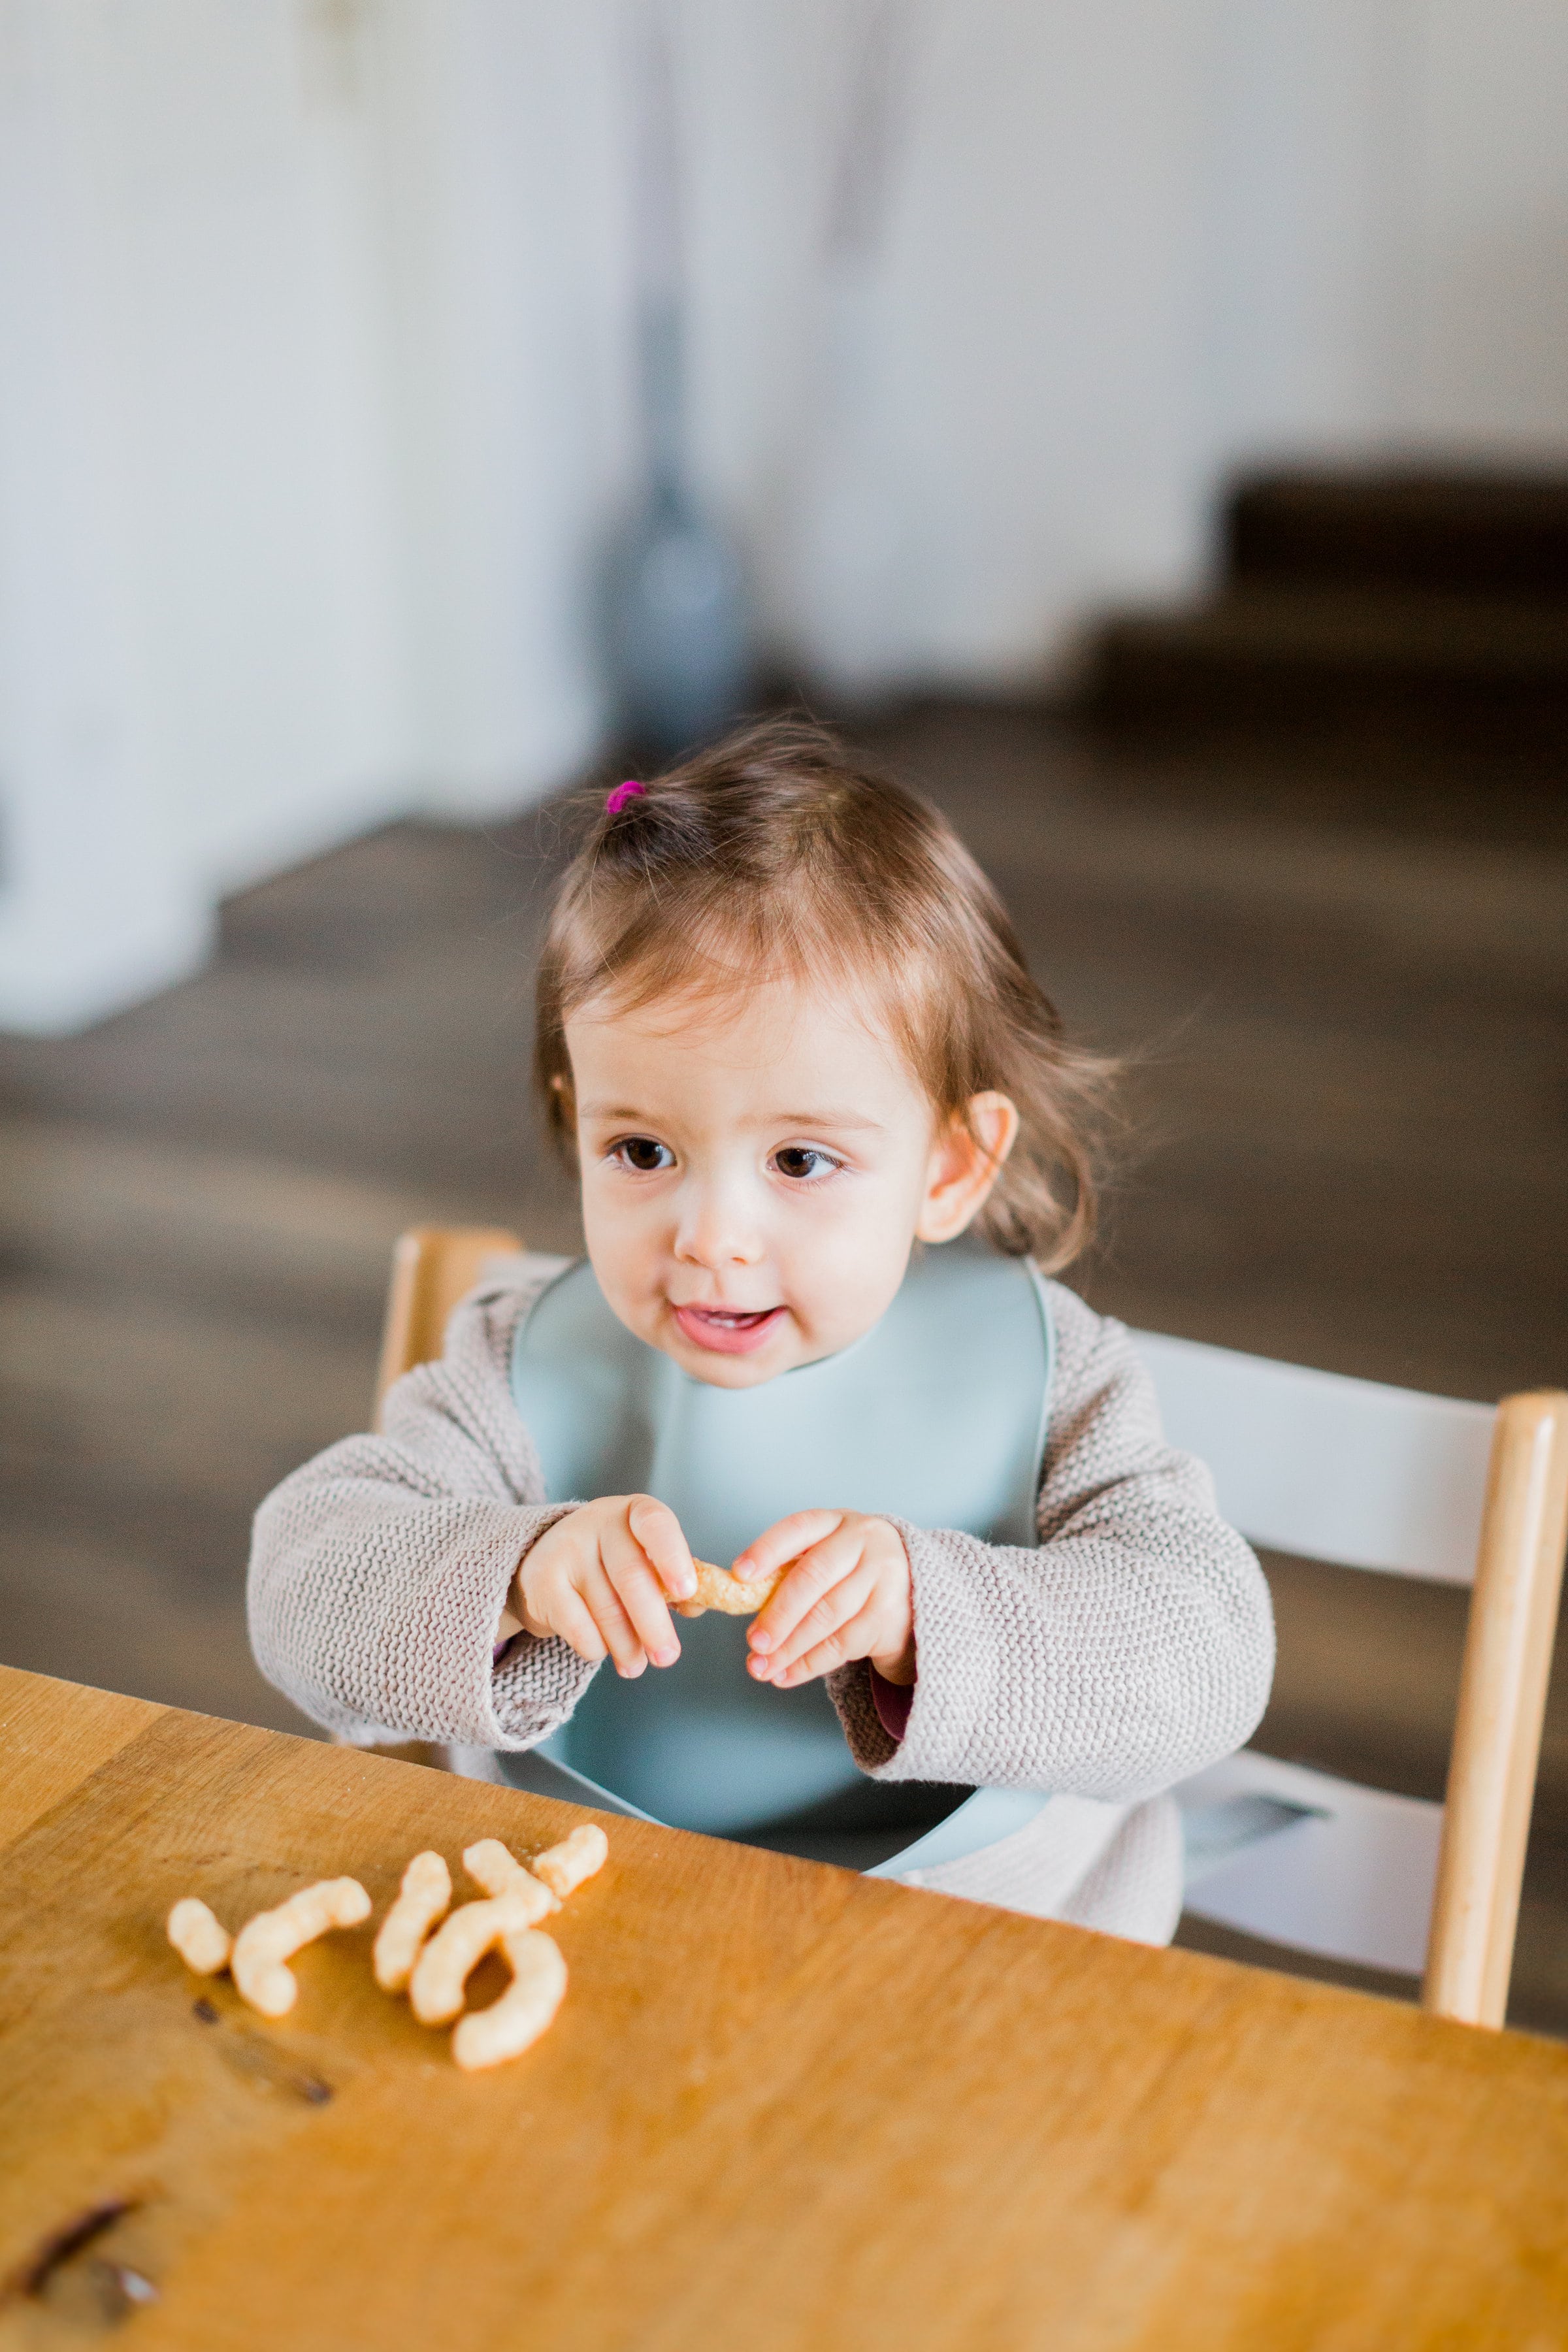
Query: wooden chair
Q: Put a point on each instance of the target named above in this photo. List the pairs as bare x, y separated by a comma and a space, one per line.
1364, 1476
1391, 1481
432, 1268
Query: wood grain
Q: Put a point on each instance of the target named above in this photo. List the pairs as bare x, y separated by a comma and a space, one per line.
782, 2107
54, 1735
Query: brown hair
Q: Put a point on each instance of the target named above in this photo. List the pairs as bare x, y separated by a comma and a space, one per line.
773, 852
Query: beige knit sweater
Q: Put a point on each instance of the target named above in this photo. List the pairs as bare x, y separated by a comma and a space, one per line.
1133, 1647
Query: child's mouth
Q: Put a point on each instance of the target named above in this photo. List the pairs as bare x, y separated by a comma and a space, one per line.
728, 1330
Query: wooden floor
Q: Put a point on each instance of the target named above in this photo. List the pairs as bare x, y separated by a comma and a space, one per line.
1342, 988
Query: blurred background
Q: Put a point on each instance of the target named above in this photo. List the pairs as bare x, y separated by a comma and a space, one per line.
1142, 423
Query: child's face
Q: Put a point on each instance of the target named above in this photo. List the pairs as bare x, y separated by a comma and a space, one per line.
756, 1171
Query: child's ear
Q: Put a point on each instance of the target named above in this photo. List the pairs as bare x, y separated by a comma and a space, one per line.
965, 1161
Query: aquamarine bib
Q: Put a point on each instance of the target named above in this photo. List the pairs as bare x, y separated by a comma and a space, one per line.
936, 1416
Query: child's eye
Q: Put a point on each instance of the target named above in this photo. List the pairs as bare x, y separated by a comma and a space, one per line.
643, 1155
803, 1161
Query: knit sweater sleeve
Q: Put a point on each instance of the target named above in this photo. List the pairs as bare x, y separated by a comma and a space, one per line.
1133, 1647
378, 1571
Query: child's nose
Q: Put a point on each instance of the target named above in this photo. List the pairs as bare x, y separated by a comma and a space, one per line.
716, 1231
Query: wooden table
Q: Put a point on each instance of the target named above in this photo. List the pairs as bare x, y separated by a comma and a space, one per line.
781, 2107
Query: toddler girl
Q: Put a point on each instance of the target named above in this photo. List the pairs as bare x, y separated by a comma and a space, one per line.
830, 1142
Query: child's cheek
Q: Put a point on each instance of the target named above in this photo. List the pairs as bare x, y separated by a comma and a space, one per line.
624, 1252
844, 1262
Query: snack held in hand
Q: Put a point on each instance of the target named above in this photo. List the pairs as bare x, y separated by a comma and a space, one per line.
424, 1896
718, 1588
515, 2022
267, 1942
202, 1941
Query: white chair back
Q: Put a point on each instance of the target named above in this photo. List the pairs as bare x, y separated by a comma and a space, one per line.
1329, 1468
1364, 1476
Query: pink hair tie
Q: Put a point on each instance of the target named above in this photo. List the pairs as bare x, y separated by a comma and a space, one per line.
615, 802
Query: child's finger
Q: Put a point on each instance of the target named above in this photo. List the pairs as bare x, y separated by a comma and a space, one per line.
663, 1538
575, 1626
619, 1634
782, 1541
844, 1598
814, 1571
851, 1640
640, 1594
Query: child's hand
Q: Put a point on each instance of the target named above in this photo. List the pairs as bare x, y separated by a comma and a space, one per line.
599, 1578
848, 1595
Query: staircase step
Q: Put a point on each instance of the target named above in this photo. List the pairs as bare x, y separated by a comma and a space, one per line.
1475, 531
1320, 657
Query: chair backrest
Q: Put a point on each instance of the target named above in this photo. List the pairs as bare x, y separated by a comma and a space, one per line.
432, 1267
1330, 1469
1388, 1479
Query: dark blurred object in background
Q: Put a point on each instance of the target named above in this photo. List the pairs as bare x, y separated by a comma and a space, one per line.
676, 633
1426, 605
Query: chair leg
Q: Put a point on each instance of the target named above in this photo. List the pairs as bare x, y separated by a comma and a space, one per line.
1502, 1701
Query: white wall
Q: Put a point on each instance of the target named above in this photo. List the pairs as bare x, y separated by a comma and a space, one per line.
1306, 146
193, 422
503, 188
991, 407
1488, 226
315, 372
1128, 245
96, 904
